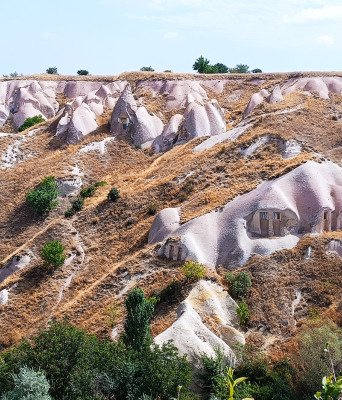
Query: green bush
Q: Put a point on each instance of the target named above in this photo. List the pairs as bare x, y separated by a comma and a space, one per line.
113, 194
37, 119
243, 312
193, 270
42, 198
240, 284
101, 183
256, 71
240, 69
69, 213
28, 385
201, 65
53, 253
311, 361
52, 71
82, 72
87, 192
77, 205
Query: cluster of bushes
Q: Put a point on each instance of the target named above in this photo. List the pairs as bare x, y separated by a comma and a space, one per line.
77, 205
37, 119
65, 362
263, 382
202, 65
239, 287
53, 71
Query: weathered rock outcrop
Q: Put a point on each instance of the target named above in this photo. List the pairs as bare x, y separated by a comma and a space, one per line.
207, 305
271, 217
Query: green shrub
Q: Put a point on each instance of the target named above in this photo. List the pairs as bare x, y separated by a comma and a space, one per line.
256, 71
201, 65
243, 312
37, 119
42, 198
113, 194
52, 71
69, 213
193, 270
147, 69
53, 253
331, 389
82, 72
29, 385
87, 192
101, 183
152, 209
77, 205
240, 69
311, 361
240, 284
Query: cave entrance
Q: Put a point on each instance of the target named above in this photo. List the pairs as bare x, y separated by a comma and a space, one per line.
326, 221
171, 252
277, 224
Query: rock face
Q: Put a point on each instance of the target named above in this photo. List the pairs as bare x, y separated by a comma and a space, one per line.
128, 118
17, 263
271, 217
276, 95
208, 302
179, 93
255, 100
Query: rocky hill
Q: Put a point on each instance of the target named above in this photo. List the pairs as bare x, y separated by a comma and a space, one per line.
243, 172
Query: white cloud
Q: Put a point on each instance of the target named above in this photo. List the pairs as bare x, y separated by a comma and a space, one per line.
317, 14
171, 36
325, 39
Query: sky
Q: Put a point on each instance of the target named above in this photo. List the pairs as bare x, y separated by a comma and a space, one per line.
107, 37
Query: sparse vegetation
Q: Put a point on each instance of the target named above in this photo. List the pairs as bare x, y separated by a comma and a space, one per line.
113, 194
77, 204
87, 192
52, 70
29, 122
14, 74
150, 69
152, 209
53, 254
243, 312
240, 69
82, 72
193, 270
42, 198
239, 284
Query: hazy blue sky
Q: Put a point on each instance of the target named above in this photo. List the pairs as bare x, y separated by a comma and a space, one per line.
111, 36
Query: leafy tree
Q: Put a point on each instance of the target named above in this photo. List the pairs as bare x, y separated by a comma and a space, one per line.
113, 194
37, 119
201, 65
147, 69
221, 68
29, 385
240, 69
137, 325
82, 72
52, 71
256, 71
42, 198
53, 253
211, 69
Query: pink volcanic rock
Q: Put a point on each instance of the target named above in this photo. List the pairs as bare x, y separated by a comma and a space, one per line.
216, 85
170, 134
122, 115
255, 100
179, 93
207, 120
145, 127
271, 217
81, 124
276, 95
321, 85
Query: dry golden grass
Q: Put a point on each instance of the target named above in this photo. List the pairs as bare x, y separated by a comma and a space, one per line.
114, 235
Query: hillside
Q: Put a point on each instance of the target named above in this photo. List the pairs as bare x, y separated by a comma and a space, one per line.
199, 144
